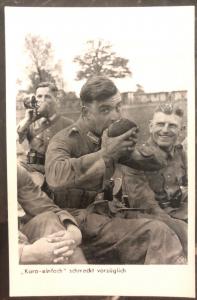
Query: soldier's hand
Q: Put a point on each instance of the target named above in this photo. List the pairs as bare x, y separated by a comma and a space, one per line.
45, 252
71, 233
116, 147
57, 249
30, 115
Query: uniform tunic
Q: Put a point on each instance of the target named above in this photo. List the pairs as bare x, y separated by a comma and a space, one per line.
38, 135
155, 192
42, 217
162, 185
39, 141
169, 184
74, 170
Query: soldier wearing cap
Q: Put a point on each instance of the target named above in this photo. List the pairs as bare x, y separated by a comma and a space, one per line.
40, 124
76, 162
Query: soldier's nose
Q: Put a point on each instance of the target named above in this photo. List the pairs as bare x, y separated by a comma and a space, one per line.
115, 116
165, 128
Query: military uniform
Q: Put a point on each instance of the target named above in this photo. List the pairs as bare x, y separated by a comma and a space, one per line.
163, 184
74, 170
161, 194
169, 184
38, 135
40, 216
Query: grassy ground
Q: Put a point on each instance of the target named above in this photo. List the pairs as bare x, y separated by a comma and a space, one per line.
141, 114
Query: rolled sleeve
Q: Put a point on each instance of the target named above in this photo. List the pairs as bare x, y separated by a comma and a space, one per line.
34, 201
23, 130
145, 158
64, 216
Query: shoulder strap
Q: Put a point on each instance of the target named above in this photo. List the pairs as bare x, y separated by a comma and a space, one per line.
51, 121
40, 129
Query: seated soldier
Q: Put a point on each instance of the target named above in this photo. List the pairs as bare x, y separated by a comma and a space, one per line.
78, 159
161, 193
47, 234
170, 183
40, 124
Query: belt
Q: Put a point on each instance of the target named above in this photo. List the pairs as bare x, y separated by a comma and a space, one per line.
34, 157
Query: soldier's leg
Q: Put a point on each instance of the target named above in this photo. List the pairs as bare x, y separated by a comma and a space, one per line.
178, 226
45, 224
42, 225
136, 241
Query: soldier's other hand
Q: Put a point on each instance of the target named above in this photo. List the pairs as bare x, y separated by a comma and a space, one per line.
44, 252
116, 147
71, 233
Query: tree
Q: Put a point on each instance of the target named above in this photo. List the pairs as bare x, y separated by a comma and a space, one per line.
67, 100
101, 60
42, 66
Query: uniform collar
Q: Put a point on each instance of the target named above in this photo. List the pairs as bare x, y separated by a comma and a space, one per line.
170, 153
85, 131
49, 121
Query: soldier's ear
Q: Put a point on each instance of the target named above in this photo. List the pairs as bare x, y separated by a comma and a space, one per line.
84, 111
150, 125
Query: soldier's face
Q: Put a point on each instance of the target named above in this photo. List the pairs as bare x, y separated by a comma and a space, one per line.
165, 129
44, 94
100, 114
46, 97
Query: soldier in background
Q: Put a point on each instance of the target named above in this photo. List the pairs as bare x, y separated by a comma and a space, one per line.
161, 193
40, 124
170, 183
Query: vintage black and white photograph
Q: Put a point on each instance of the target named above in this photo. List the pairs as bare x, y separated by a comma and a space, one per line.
100, 146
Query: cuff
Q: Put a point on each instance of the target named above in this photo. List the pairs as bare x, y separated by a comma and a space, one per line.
66, 218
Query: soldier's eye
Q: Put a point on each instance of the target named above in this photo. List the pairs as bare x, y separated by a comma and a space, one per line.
118, 107
105, 110
161, 124
173, 126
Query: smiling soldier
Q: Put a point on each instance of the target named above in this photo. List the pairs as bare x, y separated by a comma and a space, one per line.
162, 193
170, 183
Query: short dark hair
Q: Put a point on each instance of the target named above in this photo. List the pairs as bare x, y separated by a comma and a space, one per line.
50, 85
97, 88
169, 109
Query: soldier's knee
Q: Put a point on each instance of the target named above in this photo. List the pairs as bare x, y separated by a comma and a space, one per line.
45, 218
159, 226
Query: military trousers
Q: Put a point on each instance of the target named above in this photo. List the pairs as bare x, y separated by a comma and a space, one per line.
45, 224
116, 240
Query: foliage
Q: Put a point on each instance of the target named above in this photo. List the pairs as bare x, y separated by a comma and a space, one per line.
101, 60
67, 100
42, 66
